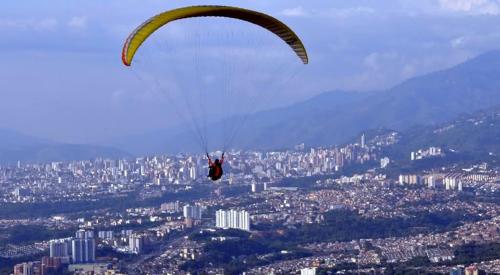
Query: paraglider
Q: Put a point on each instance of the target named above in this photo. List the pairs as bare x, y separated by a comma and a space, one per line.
136, 39
141, 33
215, 168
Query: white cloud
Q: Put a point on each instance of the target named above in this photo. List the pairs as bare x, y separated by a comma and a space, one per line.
350, 12
124, 96
78, 22
458, 42
328, 12
375, 61
46, 24
295, 12
6, 23
488, 7
408, 71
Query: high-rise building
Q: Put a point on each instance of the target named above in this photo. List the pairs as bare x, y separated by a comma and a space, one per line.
471, 270
193, 173
431, 182
83, 247
84, 234
363, 141
60, 248
308, 271
136, 244
127, 232
29, 268
453, 182
83, 250
51, 265
19, 269
257, 187
192, 212
459, 270
105, 235
232, 219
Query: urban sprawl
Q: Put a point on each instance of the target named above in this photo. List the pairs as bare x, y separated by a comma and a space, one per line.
152, 215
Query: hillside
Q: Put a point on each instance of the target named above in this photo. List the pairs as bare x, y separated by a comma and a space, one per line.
475, 136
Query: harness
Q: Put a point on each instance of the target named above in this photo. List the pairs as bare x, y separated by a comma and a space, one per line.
215, 172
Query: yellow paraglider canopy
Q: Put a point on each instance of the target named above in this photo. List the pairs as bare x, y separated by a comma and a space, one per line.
139, 35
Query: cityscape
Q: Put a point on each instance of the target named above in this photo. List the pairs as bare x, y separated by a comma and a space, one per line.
164, 216
190, 137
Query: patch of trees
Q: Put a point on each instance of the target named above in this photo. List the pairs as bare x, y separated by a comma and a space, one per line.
21, 234
33, 210
346, 225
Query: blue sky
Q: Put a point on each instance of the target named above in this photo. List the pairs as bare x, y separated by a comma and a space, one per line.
62, 77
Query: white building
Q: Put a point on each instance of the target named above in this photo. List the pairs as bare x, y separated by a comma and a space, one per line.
431, 182
193, 173
60, 248
232, 219
192, 212
384, 162
257, 187
82, 234
83, 247
105, 235
170, 207
308, 271
29, 268
136, 244
453, 182
83, 250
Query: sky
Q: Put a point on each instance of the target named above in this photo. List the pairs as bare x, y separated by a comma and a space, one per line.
61, 75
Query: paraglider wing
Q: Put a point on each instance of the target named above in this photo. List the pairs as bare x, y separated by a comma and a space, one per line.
270, 23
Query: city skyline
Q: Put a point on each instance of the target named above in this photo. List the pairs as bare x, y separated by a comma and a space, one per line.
250, 137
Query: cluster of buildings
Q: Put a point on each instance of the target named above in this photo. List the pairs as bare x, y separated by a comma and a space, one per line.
430, 152
370, 195
105, 178
453, 180
78, 250
233, 219
192, 212
462, 270
78, 254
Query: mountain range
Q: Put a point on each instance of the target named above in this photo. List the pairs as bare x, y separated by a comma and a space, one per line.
15, 147
327, 119
335, 117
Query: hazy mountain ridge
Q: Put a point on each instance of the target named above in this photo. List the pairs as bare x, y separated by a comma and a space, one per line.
429, 99
476, 136
15, 147
327, 119
335, 117
179, 140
